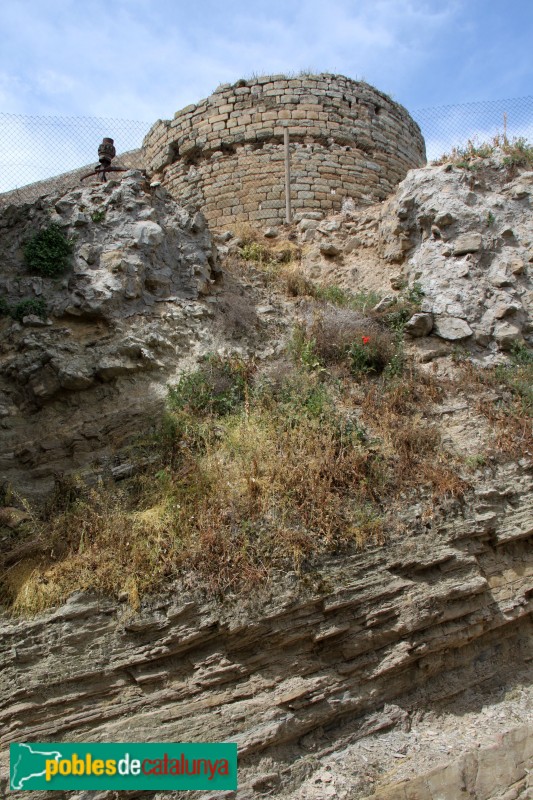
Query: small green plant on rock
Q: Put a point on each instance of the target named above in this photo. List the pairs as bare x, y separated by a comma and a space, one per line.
33, 306
414, 294
98, 216
48, 252
476, 461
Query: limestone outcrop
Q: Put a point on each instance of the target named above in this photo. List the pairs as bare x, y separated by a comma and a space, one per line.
127, 307
401, 670
463, 239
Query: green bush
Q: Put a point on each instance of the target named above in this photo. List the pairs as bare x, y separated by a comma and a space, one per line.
217, 388
48, 252
27, 307
368, 356
4, 307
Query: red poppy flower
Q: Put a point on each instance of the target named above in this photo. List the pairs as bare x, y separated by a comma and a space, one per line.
365, 339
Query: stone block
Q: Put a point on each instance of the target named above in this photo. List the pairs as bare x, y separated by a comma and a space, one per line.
467, 243
451, 328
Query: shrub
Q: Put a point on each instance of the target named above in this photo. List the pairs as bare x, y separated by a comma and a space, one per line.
27, 307
414, 294
218, 387
254, 251
4, 307
48, 252
517, 152
295, 394
343, 336
368, 356
296, 283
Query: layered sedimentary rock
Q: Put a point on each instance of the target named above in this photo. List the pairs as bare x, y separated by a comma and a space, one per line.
225, 154
297, 676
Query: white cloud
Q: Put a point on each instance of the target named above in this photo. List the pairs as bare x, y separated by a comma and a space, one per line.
145, 59
140, 57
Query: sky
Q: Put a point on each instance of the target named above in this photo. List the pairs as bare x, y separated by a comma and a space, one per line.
146, 59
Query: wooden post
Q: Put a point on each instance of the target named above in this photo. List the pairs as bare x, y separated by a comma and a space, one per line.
288, 212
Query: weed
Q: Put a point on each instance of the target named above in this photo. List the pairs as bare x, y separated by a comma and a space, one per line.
99, 215
396, 364
218, 387
395, 320
517, 152
249, 475
297, 285
337, 296
254, 251
295, 395
366, 356
48, 252
414, 294
269, 255
521, 355
343, 336
36, 307
475, 461
510, 415
490, 220
392, 409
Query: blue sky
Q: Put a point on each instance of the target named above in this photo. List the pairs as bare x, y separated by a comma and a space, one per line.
145, 59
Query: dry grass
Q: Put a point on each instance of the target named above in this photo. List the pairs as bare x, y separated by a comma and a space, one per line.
261, 494
510, 412
517, 153
397, 413
256, 474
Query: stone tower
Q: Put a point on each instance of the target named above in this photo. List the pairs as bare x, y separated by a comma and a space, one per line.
225, 154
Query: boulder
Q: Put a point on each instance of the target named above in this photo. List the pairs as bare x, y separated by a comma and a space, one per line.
420, 324
451, 328
506, 334
329, 249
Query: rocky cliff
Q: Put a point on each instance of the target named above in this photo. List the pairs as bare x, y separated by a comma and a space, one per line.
397, 670
76, 375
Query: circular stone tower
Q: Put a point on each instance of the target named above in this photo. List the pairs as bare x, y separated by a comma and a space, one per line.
225, 155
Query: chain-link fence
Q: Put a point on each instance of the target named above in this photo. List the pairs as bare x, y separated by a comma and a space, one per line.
53, 150
445, 127
41, 154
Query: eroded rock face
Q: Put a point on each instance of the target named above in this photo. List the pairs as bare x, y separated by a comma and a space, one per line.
302, 677
465, 239
124, 315
303, 680
132, 246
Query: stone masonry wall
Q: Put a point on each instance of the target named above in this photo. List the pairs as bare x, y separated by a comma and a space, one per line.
225, 154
